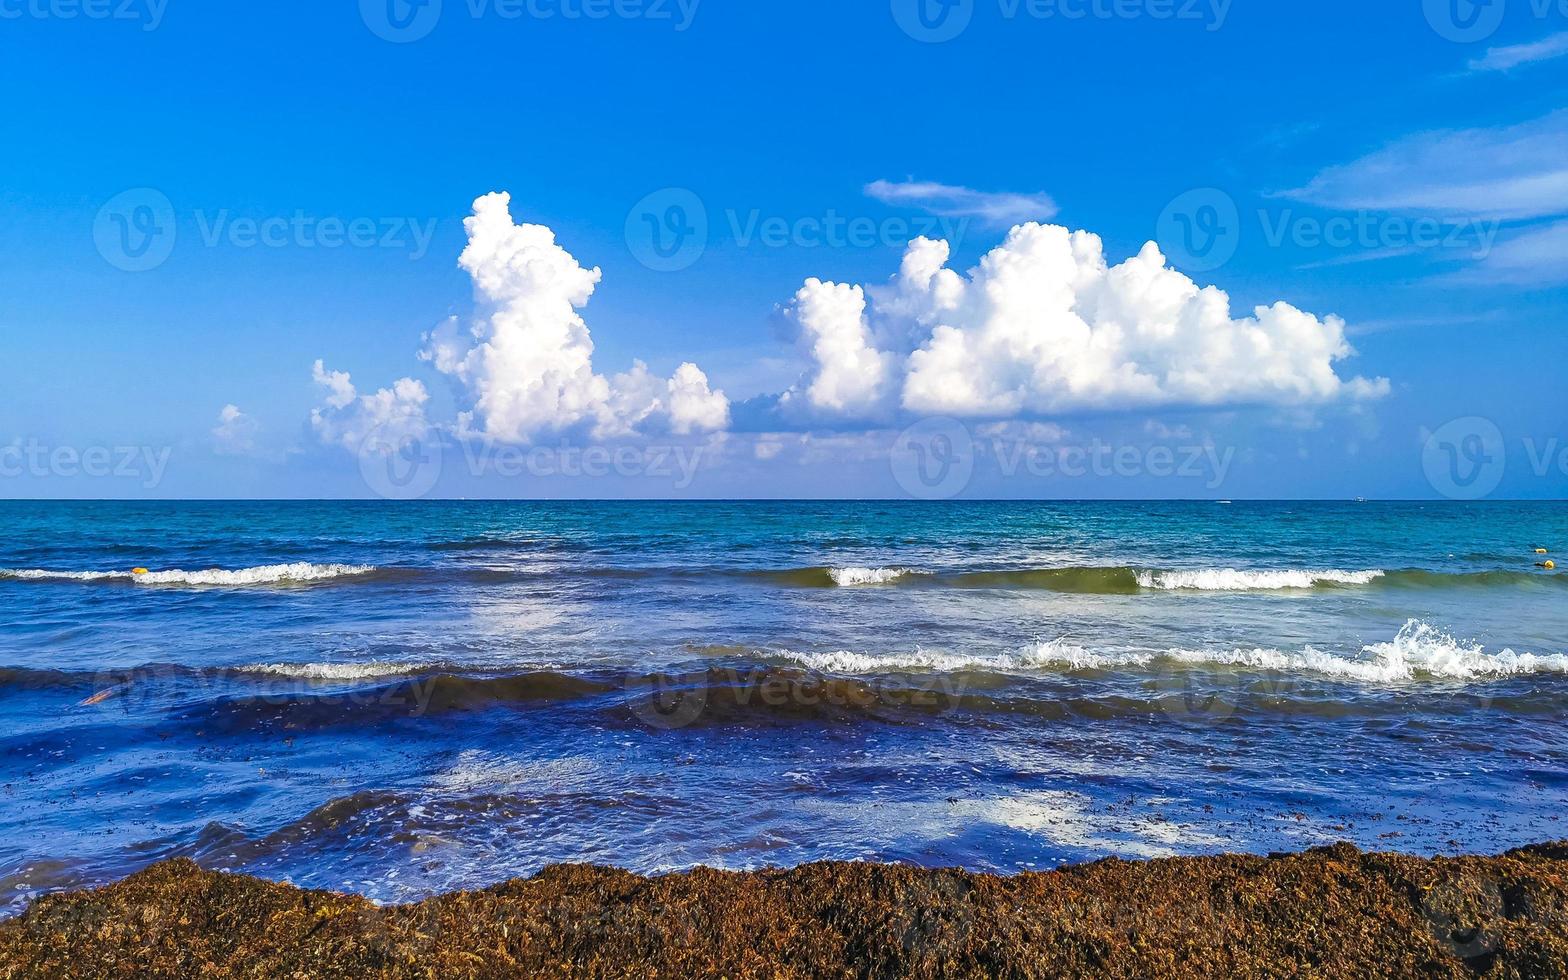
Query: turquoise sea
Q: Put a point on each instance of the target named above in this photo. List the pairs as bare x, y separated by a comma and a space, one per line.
403, 699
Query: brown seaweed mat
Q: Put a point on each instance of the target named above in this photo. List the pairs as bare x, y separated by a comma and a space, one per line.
1330, 912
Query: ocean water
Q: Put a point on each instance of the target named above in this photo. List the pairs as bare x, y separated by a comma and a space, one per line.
405, 699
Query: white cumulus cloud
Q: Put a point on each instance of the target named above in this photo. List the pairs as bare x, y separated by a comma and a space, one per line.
852, 375
235, 433
1045, 325
378, 422
526, 363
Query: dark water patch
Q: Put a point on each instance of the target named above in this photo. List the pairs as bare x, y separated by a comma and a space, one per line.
797, 578
1496, 578
367, 705
38, 679
764, 696
27, 679
419, 823
743, 694
498, 543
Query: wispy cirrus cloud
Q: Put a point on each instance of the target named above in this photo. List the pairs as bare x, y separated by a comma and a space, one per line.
1537, 256
999, 209
1515, 172
1518, 55
1512, 177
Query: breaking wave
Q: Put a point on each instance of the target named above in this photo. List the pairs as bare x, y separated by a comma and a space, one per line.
831, 578
1073, 579
1235, 580
1419, 652
866, 576
1124, 580
336, 671
292, 573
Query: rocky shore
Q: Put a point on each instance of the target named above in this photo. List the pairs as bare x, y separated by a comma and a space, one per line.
1331, 912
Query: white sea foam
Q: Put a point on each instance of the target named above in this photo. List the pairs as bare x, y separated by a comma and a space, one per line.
44, 574
867, 576
1236, 580
1039, 655
1418, 652
335, 671
261, 575
1423, 649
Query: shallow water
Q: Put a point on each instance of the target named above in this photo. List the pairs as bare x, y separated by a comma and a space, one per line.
401, 699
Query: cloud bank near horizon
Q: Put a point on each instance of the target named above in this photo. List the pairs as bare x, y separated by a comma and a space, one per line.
524, 366
1044, 325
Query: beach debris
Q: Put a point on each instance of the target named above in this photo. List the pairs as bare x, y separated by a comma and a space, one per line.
99, 698
1328, 912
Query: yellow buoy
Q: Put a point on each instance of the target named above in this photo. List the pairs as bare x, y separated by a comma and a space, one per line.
1540, 551
139, 571
1548, 565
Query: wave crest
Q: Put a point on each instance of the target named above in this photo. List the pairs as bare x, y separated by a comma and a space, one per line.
1419, 652
1237, 580
867, 576
294, 572
336, 671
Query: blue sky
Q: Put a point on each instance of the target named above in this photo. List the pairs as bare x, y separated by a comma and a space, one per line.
1401, 166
